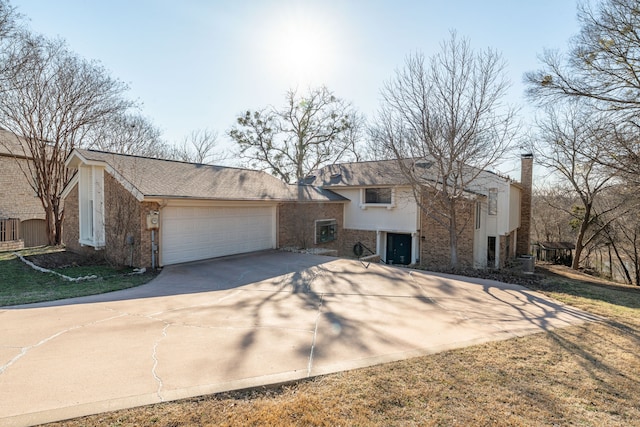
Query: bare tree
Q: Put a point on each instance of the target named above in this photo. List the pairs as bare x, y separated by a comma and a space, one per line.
10, 28
566, 135
128, 133
448, 114
601, 68
311, 131
200, 146
551, 214
53, 101
8, 18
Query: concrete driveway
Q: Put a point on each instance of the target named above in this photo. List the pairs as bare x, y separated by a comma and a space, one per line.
244, 321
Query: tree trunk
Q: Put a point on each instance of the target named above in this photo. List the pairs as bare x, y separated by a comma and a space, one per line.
584, 225
453, 235
51, 228
59, 220
636, 259
624, 267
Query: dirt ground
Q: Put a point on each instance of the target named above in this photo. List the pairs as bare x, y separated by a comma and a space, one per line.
63, 259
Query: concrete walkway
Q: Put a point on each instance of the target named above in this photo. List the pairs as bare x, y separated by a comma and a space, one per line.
244, 321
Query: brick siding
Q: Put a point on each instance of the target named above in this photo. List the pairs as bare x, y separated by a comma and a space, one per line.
435, 242
124, 216
17, 198
296, 228
350, 237
296, 224
524, 232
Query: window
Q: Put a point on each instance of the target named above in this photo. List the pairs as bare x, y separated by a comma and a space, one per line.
491, 251
478, 214
377, 196
91, 206
493, 201
326, 230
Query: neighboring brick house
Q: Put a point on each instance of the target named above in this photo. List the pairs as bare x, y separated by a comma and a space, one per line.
147, 212
18, 199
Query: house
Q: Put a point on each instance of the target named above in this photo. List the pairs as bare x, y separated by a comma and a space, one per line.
22, 217
382, 214
150, 212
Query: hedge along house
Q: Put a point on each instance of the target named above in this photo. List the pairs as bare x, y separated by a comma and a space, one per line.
382, 215
148, 212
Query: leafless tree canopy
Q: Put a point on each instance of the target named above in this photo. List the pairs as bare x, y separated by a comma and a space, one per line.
200, 146
600, 69
571, 142
311, 131
128, 133
8, 18
602, 62
449, 112
54, 99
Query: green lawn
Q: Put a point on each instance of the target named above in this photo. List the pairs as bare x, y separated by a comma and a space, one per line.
21, 284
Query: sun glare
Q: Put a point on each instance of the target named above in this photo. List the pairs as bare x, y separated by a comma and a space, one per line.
302, 50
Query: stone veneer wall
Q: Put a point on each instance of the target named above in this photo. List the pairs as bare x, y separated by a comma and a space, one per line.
12, 245
434, 239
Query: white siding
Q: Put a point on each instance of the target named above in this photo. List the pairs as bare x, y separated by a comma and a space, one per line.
402, 217
91, 205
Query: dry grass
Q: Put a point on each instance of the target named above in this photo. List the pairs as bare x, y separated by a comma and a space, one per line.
582, 375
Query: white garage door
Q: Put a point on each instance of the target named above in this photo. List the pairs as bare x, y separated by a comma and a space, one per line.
192, 233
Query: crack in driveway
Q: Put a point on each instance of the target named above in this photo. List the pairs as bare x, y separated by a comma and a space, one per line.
25, 350
154, 356
315, 334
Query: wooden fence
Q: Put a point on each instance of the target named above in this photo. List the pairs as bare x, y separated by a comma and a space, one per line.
9, 229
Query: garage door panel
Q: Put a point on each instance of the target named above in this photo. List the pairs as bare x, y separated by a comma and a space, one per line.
193, 233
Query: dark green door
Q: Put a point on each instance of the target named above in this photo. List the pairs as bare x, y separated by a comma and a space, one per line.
398, 248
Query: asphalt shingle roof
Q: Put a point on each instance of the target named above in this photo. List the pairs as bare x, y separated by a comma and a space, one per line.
10, 145
174, 179
381, 172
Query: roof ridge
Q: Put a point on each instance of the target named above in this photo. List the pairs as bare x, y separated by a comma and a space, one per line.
166, 160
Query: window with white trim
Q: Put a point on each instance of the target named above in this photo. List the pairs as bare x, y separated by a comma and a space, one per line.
378, 196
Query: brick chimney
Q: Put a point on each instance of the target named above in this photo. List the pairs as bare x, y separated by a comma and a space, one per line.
526, 179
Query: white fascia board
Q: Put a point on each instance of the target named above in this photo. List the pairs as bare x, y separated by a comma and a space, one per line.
67, 188
75, 158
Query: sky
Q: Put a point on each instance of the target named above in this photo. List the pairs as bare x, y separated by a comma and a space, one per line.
196, 64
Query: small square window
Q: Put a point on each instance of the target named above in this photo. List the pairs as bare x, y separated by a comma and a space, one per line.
326, 230
377, 196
